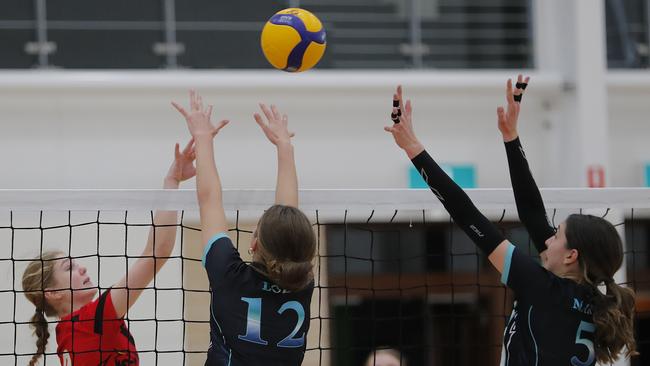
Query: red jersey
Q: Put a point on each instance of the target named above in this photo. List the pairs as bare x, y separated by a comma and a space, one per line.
95, 336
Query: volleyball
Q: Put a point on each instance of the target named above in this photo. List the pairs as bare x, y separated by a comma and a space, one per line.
293, 40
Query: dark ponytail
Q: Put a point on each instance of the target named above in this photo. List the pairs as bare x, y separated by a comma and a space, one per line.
614, 320
600, 254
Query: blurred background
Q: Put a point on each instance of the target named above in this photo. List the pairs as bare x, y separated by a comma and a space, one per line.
97, 77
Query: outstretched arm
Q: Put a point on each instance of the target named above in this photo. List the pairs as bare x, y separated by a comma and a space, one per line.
162, 238
530, 206
208, 185
484, 234
276, 130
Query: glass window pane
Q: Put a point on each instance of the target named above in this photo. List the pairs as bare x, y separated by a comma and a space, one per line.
12, 49
17, 10
627, 33
105, 49
476, 35
204, 10
104, 10
222, 49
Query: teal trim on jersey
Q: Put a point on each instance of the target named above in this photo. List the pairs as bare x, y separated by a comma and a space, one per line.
530, 311
208, 246
506, 264
216, 322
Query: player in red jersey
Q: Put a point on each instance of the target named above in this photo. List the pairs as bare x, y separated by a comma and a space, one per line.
92, 331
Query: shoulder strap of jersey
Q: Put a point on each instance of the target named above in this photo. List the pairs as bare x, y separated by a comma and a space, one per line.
99, 312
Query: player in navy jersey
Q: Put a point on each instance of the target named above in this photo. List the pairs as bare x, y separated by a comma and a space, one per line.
591, 239
559, 317
92, 331
259, 313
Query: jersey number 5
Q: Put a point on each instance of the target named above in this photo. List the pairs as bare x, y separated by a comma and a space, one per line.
589, 328
254, 323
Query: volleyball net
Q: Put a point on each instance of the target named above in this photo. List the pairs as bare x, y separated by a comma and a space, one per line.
392, 271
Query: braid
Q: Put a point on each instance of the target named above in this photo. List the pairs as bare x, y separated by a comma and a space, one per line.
39, 275
42, 333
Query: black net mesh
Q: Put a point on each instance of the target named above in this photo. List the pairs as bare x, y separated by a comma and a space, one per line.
407, 284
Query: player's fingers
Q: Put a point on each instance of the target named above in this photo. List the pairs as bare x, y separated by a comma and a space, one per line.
221, 125
177, 151
274, 110
396, 103
260, 121
399, 96
199, 100
208, 112
501, 115
394, 116
509, 96
180, 109
192, 99
266, 111
188, 148
520, 87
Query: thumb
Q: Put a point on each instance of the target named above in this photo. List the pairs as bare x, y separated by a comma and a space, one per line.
215, 130
180, 109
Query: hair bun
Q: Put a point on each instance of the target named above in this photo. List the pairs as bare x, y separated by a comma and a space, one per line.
290, 275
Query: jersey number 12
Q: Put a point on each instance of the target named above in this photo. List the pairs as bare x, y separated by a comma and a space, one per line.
254, 323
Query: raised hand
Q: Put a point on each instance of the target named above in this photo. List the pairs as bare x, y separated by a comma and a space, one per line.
508, 118
198, 118
276, 129
402, 128
182, 167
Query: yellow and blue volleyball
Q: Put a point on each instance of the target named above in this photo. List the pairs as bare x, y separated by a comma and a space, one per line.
293, 40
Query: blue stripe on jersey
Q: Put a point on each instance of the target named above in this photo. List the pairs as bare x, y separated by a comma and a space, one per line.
530, 329
506, 264
208, 246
